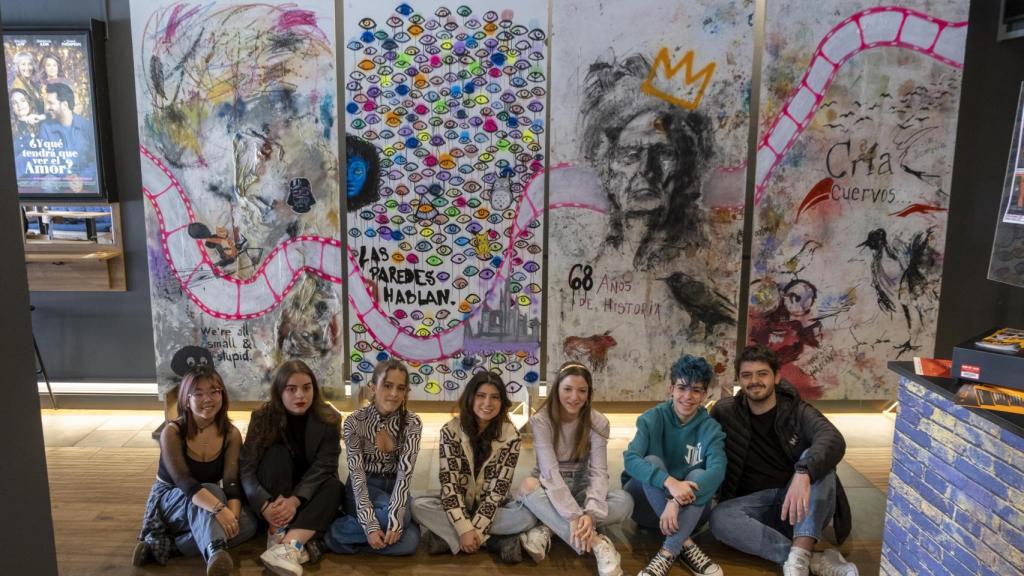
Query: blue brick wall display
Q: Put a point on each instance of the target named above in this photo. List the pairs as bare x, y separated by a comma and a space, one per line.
956, 491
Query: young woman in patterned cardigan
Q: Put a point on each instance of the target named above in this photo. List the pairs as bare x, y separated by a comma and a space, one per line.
382, 441
479, 450
568, 491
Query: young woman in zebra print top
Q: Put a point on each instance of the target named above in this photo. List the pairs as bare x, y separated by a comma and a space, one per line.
382, 441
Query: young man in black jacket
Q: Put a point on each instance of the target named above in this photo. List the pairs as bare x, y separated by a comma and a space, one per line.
780, 488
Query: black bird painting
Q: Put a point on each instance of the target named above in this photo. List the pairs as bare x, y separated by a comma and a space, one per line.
900, 275
704, 304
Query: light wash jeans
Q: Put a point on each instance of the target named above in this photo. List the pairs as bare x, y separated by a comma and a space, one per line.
193, 528
347, 536
512, 518
753, 523
651, 502
620, 506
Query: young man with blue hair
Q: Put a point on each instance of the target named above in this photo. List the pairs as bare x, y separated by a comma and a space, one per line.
673, 467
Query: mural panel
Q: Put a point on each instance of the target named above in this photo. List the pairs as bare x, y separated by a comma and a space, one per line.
649, 146
445, 118
854, 162
239, 170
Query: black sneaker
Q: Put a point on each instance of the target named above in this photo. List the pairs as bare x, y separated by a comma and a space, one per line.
313, 551
508, 548
696, 561
660, 565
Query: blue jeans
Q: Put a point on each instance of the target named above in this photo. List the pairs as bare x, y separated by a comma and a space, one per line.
651, 502
193, 528
753, 523
620, 506
512, 518
347, 536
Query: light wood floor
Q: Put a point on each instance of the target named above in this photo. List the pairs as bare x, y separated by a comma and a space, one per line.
102, 464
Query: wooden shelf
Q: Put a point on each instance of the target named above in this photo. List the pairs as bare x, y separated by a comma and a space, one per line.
76, 265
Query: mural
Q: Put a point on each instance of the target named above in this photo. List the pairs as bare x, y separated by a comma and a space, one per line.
649, 140
237, 112
445, 118
854, 162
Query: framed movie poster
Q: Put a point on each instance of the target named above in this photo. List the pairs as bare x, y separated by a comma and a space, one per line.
58, 108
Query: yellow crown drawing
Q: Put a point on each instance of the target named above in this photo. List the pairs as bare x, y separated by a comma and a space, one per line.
689, 92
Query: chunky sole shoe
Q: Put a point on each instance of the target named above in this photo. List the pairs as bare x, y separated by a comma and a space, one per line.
220, 564
140, 555
280, 566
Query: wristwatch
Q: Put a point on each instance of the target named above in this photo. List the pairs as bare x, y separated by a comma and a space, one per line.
801, 468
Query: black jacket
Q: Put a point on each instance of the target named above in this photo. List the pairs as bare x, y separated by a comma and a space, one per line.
801, 427
323, 448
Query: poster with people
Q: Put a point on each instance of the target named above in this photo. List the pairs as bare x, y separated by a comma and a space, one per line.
52, 113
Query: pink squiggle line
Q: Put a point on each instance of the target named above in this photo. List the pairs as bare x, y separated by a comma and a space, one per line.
253, 286
405, 345
884, 26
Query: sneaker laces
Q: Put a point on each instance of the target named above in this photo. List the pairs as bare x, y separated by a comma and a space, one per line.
660, 565
696, 557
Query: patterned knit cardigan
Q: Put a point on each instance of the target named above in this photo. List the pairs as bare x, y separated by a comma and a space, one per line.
470, 502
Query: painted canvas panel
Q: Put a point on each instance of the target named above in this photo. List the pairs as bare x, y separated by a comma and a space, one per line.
649, 142
854, 162
239, 146
445, 118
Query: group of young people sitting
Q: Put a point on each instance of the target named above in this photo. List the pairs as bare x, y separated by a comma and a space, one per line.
760, 467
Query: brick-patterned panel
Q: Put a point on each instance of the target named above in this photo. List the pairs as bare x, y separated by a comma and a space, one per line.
956, 491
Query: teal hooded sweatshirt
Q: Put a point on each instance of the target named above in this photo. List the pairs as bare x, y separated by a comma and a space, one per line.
697, 445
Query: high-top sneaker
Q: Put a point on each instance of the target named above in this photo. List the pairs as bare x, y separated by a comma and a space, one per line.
696, 561
283, 559
660, 565
218, 561
798, 563
609, 562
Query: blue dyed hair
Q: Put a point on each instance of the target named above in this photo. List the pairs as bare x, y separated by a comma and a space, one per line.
692, 369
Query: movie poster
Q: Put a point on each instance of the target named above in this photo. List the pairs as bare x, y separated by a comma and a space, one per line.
52, 113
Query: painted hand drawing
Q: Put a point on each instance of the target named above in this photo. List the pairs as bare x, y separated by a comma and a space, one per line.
870, 122
239, 170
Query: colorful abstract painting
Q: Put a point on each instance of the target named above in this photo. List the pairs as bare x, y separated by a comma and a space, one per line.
649, 143
239, 146
445, 110
854, 161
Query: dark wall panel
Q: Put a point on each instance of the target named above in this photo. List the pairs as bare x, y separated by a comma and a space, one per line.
993, 72
85, 335
27, 532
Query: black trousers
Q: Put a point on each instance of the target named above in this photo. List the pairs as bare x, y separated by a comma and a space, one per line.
275, 475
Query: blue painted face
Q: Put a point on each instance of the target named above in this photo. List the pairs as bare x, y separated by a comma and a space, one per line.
357, 169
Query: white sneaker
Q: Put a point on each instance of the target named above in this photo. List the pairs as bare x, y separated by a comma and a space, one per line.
536, 541
830, 562
275, 538
609, 562
283, 559
797, 564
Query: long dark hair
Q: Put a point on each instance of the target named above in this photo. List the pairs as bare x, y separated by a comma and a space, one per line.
481, 440
581, 443
379, 372
192, 379
270, 421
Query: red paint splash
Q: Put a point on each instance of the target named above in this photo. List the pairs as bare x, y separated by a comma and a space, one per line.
818, 194
917, 209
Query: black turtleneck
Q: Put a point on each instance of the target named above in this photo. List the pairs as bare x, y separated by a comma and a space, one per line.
295, 436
